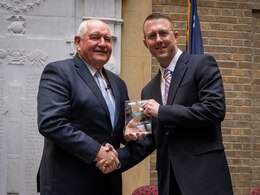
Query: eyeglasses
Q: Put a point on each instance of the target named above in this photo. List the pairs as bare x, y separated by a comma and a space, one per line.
162, 34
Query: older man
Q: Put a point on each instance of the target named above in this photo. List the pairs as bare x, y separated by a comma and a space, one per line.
81, 116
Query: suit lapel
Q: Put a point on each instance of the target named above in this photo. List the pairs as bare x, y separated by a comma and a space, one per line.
156, 86
178, 74
85, 74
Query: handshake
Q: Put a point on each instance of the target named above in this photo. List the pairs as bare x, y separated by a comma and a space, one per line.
107, 159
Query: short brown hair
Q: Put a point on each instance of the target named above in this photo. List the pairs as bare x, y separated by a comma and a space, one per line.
154, 16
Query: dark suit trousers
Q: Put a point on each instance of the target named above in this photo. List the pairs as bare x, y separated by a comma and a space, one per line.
173, 185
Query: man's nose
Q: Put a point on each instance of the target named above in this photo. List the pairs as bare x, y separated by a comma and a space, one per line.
158, 37
102, 41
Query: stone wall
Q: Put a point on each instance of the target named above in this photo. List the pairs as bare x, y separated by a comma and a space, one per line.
32, 34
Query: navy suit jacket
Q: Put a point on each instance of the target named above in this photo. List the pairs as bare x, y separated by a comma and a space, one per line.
187, 132
74, 119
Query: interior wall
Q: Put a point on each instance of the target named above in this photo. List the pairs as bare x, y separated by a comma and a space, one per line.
136, 72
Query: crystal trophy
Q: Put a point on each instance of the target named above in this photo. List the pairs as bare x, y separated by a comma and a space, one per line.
135, 119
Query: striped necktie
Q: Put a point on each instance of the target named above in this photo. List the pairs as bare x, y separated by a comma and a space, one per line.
167, 75
105, 94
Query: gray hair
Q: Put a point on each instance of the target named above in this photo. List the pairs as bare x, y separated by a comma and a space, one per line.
83, 28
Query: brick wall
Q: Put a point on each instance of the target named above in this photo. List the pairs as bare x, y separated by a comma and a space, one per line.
231, 33
255, 127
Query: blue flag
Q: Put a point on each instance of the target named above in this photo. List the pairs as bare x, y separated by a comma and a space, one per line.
194, 44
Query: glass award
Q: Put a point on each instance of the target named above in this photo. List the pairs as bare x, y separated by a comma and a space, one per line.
135, 119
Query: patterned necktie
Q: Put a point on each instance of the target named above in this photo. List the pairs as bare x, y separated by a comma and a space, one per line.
105, 94
167, 75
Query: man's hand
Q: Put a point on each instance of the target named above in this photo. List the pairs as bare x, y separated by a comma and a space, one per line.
107, 159
151, 108
132, 131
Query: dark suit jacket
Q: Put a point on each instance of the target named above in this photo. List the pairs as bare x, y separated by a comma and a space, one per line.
187, 132
74, 119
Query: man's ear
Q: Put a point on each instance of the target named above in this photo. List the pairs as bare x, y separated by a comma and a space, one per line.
176, 35
76, 40
145, 44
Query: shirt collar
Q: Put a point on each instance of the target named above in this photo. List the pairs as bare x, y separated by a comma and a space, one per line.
90, 68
